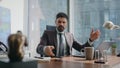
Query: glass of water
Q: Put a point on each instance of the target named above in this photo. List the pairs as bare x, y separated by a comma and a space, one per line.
97, 55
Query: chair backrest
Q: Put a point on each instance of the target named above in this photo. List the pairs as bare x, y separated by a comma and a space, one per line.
3, 47
50, 27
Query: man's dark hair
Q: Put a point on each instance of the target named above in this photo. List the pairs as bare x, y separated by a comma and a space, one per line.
61, 14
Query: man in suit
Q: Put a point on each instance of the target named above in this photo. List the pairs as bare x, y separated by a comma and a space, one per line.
50, 42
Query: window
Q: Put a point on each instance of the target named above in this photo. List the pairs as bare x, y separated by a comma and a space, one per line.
49, 9
89, 15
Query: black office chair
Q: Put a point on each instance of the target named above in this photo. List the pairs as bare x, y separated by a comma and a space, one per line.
50, 27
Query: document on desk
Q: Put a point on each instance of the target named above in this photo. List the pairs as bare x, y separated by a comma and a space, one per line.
43, 59
80, 56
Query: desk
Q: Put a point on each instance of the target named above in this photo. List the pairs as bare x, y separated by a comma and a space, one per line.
69, 62
75, 62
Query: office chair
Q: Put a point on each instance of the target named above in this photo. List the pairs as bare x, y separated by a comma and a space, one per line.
3, 47
50, 27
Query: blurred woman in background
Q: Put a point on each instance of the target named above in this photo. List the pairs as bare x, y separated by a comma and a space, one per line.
15, 44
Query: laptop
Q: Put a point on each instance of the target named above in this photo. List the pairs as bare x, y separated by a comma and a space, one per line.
105, 45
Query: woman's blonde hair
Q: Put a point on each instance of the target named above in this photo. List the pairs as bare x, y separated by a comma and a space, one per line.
15, 47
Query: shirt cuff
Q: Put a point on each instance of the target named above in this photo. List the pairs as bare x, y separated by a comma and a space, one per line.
90, 42
44, 49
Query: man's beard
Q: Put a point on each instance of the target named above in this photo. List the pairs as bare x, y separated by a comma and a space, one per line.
60, 28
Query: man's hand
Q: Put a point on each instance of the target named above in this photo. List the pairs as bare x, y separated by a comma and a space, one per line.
94, 35
48, 51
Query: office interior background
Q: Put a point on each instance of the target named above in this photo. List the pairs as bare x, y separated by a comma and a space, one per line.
32, 16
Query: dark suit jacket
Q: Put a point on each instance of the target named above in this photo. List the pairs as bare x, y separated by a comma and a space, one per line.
50, 38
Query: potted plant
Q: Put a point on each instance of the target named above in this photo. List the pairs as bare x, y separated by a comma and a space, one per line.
113, 49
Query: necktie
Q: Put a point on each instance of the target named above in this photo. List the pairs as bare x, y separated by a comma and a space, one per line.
61, 45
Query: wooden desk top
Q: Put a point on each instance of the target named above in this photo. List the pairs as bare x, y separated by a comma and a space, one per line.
76, 62
112, 60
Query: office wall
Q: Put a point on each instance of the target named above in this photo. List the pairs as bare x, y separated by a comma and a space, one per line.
17, 13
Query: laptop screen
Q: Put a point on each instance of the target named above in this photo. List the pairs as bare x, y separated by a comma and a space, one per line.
105, 45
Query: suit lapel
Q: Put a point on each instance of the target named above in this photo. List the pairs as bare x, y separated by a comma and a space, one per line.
68, 39
55, 40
